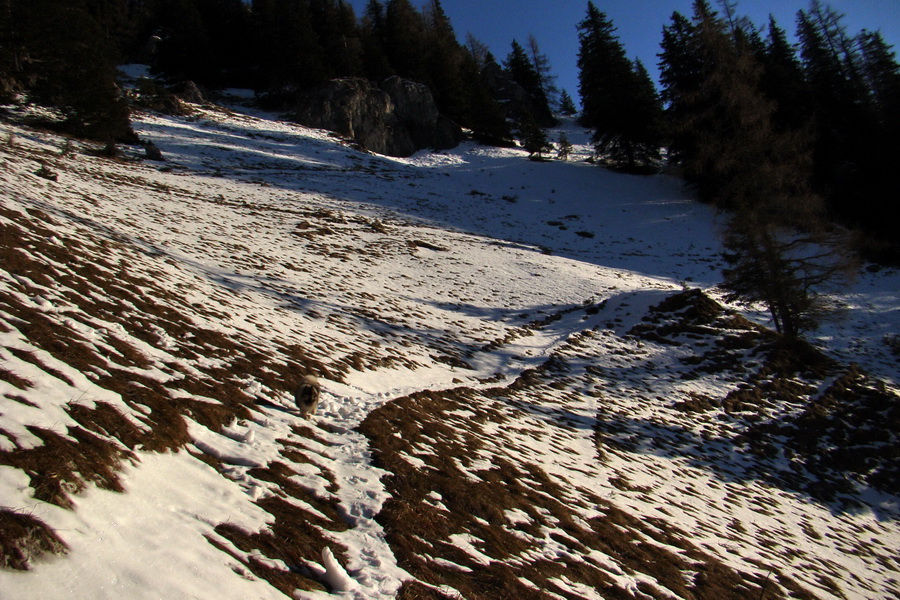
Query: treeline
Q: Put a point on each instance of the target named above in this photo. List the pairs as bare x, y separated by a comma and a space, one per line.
63, 53
733, 97
787, 144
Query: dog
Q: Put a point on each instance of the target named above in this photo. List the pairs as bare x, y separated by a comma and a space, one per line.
307, 396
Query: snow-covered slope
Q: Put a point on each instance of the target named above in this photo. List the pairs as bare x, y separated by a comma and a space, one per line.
519, 399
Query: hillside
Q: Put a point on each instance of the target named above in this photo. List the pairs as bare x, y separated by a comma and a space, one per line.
531, 388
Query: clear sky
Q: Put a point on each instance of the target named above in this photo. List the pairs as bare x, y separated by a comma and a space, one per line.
639, 24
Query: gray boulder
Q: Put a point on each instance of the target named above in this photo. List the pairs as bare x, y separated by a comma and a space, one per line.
396, 118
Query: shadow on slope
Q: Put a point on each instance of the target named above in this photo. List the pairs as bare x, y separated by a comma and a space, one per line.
794, 418
574, 210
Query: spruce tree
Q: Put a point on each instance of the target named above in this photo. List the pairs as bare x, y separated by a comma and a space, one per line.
618, 97
564, 147
287, 48
845, 124
376, 65
524, 73
567, 105
335, 26
185, 51
67, 62
534, 139
602, 67
444, 64
405, 43
783, 80
485, 116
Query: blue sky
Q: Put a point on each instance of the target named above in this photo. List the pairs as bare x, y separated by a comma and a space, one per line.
639, 24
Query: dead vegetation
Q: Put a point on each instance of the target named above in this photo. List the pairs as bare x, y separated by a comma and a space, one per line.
93, 451
432, 506
25, 539
834, 423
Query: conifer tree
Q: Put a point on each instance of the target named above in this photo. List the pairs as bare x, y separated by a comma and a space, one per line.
185, 50
848, 167
444, 63
335, 26
545, 71
602, 67
776, 251
66, 61
882, 75
618, 97
681, 68
534, 139
564, 147
405, 42
524, 73
485, 116
783, 80
376, 65
566, 104
287, 49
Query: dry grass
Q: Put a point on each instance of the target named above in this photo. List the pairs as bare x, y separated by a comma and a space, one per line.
14, 380
62, 466
93, 451
419, 530
25, 539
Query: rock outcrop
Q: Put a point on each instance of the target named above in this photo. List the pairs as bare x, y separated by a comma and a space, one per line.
396, 118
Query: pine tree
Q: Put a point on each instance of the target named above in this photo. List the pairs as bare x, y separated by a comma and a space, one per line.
783, 80
405, 42
66, 61
618, 97
524, 73
567, 105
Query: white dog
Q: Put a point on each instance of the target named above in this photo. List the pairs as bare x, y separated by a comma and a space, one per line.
307, 396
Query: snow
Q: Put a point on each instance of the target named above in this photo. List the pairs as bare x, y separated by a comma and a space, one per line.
388, 271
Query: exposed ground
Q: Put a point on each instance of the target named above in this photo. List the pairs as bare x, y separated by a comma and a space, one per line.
531, 387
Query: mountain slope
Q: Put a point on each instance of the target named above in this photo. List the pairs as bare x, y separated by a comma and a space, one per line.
519, 398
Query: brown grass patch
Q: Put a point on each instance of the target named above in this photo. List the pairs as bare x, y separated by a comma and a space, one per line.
65, 465
414, 590
418, 529
25, 539
293, 538
14, 380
